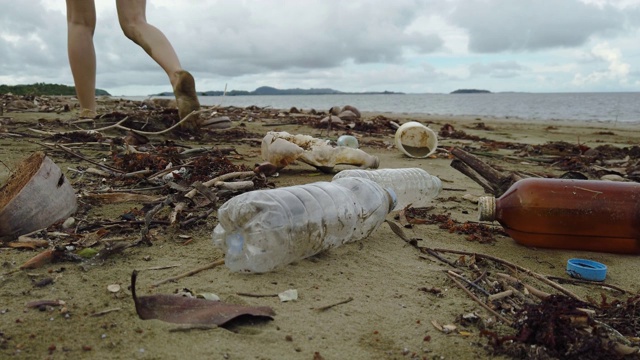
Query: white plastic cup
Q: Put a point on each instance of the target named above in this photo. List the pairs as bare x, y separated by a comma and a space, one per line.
416, 140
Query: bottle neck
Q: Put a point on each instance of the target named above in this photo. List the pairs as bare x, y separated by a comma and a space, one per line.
487, 208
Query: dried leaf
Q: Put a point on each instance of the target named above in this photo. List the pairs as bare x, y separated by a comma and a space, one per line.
49, 256
183, 310
133, 138
28, 244
448, 328
398, 231
39, 260
40, 303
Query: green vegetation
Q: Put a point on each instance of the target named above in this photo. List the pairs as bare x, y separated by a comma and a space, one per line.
268, 90
43, 89
471, 91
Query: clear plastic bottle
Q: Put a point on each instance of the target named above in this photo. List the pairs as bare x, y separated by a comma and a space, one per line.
569, 214
413, 186
265, 229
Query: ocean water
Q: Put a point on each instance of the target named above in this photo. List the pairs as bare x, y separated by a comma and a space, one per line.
596, 107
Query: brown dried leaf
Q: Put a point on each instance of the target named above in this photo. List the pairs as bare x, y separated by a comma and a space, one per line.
183, 310
39, 260
28, 243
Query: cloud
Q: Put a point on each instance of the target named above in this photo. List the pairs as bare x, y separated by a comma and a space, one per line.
616, 68
26, 45
529, 25
500, 69
255, 36
359, 45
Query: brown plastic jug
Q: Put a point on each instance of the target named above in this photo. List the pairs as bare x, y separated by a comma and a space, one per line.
569, 214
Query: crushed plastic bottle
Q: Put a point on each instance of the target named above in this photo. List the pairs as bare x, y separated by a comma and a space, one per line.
588, 215
412, 186
262, 230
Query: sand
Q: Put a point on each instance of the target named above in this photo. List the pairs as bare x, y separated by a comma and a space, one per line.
392, 310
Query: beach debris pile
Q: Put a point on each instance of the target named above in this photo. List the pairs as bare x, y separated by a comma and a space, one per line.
531, 315
158, 183
281, 149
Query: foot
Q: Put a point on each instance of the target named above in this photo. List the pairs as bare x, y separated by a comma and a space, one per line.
87, 114
187, 100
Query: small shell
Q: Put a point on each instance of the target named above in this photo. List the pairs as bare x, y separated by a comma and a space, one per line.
334, 110
113, 288
353, 109
333, 119
348, 115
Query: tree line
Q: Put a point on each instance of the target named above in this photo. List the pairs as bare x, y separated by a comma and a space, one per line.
44, 89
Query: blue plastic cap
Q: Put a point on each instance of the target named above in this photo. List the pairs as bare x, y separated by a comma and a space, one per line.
586, 269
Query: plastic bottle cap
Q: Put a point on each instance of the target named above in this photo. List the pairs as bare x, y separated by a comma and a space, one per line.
487, 208
586, 269
393, 198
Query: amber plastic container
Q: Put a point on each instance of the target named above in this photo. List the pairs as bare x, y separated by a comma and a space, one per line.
569, 214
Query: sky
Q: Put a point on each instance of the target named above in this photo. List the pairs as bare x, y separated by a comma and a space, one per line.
411, 46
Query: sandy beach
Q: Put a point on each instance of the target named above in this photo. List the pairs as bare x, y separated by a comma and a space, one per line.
391, 300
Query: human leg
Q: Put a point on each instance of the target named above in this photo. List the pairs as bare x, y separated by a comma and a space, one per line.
81, 23
132, 16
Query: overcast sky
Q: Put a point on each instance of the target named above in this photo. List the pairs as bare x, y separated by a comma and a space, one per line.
413, 46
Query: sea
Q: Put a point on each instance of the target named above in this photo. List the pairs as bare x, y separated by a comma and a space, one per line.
592, 107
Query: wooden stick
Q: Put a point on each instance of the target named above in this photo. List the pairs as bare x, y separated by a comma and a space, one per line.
437, 256
104, 312
473, 285
256, 295
327, 307
580, 281
500, 295
189, 273
515, 266
71, 152
536, 292
224, 177
475, 298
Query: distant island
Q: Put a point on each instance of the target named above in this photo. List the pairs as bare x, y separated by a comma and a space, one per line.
268, 90
471, 91
44, 89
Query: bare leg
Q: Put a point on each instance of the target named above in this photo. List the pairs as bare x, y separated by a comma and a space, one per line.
132, 16
81, 23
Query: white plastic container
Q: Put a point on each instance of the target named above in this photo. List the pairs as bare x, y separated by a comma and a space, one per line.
412, 186
265, 229
416, 140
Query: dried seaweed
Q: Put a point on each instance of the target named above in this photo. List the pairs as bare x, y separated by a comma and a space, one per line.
474, 231
558, 328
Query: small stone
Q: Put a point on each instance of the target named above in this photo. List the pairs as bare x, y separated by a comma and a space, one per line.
67, 224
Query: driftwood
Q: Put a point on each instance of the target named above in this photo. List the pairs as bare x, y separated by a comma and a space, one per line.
491, 180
